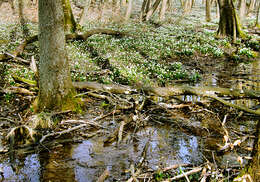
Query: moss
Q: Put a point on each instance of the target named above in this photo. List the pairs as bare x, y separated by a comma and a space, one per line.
70, 102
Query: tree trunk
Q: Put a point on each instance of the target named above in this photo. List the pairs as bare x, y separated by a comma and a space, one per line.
129, 10
242, 10
163, 9
217, 8
55, 85
187, 6
152, 9
85, 12
208, 10
22, 20
69, 21
229, 22
253, 168
251, 7
257, 16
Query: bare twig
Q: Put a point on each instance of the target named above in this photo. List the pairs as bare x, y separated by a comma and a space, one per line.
91, 122
193, 171
175, 166
104, 176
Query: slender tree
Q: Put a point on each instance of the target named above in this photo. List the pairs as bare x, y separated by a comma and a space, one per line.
242, 10
163, 9
208, 10
55, 85
129, 10
257, 16
251, 7
84, 14
22, 20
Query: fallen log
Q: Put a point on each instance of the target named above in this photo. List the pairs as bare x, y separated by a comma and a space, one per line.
210, 92
176, 90
89, 33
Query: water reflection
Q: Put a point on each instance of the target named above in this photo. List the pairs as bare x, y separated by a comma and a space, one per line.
29, 170
242, 76
86, 161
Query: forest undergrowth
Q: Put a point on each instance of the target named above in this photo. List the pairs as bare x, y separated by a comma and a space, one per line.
179, 50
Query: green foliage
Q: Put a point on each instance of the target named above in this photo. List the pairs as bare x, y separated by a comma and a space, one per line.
160, 176
151, 56
8, 97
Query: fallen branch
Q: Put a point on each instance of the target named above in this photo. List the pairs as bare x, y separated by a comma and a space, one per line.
193, 171
104, 176
17, 90
175, 166
177, 90
57, 134
89, 33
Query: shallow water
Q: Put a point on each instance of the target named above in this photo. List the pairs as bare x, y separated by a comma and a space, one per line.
87, 160
168, 145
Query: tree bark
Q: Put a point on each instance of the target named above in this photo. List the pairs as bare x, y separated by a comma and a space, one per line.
187, 6
163, 9
251, 7
257, 16
208, 10
69, 21
55, 85
85, 12
22, 20
152, 9
229, 24
129, 10
242, 10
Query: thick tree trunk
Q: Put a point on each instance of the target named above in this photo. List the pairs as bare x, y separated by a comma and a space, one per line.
55, 85
69, 21
229, 24
242, 10
208, 10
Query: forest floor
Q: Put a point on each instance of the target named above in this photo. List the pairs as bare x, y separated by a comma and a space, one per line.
163, 139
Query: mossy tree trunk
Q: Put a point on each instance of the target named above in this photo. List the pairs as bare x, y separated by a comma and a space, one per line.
229, 24
69, 21
55, 85
257, 16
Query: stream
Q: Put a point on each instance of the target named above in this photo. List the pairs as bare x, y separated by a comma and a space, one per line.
87, 159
